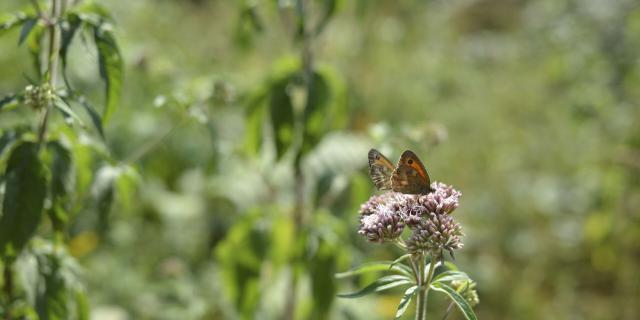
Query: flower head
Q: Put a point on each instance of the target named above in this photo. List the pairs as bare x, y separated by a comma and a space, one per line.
383, 217
382, 224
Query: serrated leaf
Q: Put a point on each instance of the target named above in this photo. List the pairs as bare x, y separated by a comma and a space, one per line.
405, 301
379, 285
27, 26
450, 275
25, 192
111, 69
51, 303
459, 300
375, 267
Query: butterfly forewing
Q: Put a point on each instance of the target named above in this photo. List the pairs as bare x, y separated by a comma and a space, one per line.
380, 170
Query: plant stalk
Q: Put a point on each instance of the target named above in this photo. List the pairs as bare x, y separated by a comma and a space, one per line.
299, 205
54, 55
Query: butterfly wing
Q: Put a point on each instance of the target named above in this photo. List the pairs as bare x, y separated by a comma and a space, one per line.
410, 175
380, 170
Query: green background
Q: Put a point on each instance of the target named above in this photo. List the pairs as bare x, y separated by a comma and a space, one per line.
529, 108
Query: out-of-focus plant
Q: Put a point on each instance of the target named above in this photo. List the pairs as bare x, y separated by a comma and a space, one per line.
383, 218
49, 159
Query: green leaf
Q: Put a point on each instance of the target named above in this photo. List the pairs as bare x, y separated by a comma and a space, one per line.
400, 259
406, 299
379, 285
68, 32
102, 192
34, 45
450, 275
375, 267
96, 119
282, 116
51, 303
15, 21
460, 302
62, 182
27, 26
330, 7
62, 105
8, 99
255, 120
82, 305
111, 68
24, 196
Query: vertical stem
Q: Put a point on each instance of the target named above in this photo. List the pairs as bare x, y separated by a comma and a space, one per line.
54, 49
298, 211
421, 300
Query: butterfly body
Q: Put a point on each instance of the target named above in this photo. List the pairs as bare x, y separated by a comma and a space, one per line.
408, 176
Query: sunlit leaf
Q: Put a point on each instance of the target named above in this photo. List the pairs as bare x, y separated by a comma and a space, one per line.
8, 99
25, 192
111, 69
379, 285
405, 301
459, 300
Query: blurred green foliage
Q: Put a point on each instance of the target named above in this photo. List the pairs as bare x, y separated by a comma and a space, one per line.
530, 108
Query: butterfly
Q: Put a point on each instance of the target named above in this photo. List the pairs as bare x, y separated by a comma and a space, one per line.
408, 176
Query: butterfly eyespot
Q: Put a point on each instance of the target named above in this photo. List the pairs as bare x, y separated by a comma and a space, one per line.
410, 161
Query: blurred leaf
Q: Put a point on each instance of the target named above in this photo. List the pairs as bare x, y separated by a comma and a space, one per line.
34, 45
451, 276
82, 305
15, 21
51, 303
329, 9
68, 31
62, 182
459, 300
384, 283
102, 192
281, 114
322, 266
27, 26
405, 301
96, 119
376, 267
111, 68
8, 99
24, 196
240, 256
9, 137
255, 120
62, 105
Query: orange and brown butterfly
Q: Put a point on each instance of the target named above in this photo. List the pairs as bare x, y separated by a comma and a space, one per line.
408, 176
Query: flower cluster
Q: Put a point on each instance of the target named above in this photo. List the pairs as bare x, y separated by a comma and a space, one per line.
38, 96
384, 217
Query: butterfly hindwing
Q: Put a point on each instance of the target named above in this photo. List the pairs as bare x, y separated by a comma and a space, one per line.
380, 170
410, 175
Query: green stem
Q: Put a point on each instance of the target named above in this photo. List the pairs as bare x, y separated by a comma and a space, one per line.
8, 284
421, 300
54, 54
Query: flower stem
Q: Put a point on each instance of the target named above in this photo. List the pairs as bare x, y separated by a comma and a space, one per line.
423, 287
